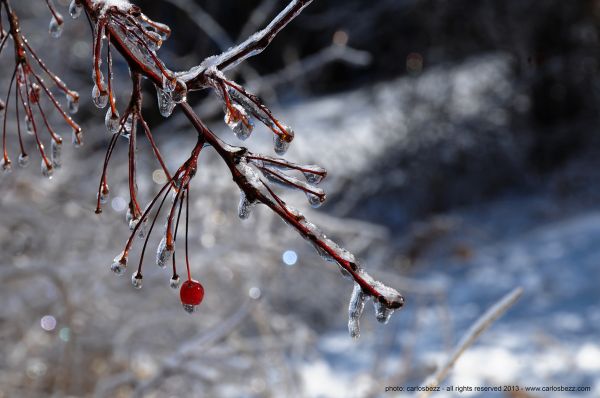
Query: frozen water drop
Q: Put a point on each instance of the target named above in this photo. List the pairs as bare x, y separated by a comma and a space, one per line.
47, 169
238, 121
6, 165
245, 207
56, 26
56, 153
382, 313
165, 102
174, 282
314, 174
23, 160
75, 9
73, 103
355, 309
103, 195
179, 93
77, 138
100, 97
163, 253
136, 280
168, 83
119, 264
111, 121
280, 146
315, 200
29, 125
189, 308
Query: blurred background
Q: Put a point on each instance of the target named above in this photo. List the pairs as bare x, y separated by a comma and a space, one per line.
461, 140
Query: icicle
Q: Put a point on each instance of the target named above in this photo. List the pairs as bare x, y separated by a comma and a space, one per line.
355, 309
136, 280
47, 170
382, 313
23, 160
314, 174
314, 200
56, 153
165, 102
56, 26
174, 282
112, 121
119, 264
100, 98
239, 122
75, 9
73, 103
245, 207
6, 165
163, 253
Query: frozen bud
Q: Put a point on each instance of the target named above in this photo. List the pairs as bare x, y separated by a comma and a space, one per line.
73, 102
174, 282
47, 169
100, 97
23, 160
163, 253
111, 121
56, 26
75, 9
136, 280
119, 264
56, 153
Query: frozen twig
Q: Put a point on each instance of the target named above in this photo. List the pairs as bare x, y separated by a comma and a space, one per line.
480, 326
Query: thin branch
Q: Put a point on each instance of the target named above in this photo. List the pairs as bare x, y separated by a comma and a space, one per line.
480, 326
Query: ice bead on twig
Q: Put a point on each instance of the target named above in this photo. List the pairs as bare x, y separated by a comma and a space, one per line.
163, 253
72, 103
47, 169
174, 282
165, 102
137, 280
100, 98
112, 122
245, 207
23, 160
119, 264
56, 153
355, 310
238, 121
75, 9
56, 26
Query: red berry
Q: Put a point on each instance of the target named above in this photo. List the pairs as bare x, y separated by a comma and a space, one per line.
191, 294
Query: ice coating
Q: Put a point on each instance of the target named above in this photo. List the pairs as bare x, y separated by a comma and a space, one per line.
355, 310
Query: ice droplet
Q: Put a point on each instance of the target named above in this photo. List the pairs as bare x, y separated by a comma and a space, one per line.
103, 195
355, 309
111, 121
245, 207
174, 282
47, 170
56, 26
168, 83
100, 98
23, 160
189, 308
119, 264
315, 200
179, 93
382, 313
136, 280
75, 9
77, 138
73, 103
6, 165
239, 122
56, 153
165, 102
281, 143
163, 253
154, 40
314, 174
29, 125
